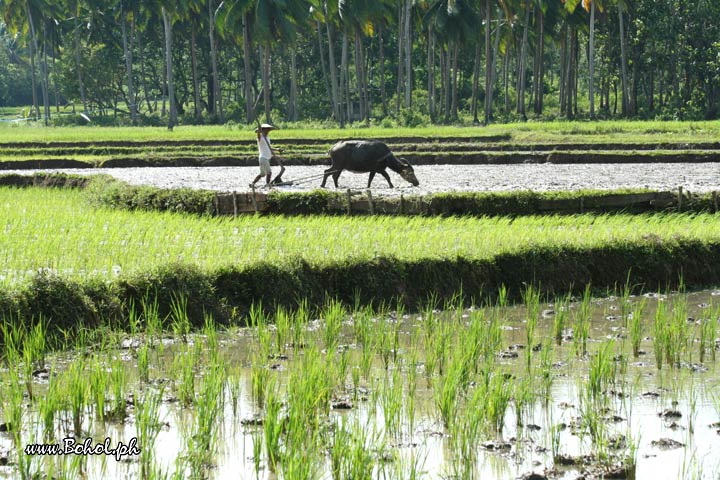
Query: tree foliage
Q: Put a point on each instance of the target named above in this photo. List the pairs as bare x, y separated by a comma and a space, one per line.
342, 60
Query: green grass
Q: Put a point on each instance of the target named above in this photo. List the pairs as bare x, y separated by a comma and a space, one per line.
57, 230
529, 132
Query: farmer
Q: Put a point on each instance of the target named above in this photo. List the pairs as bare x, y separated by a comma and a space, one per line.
266, 153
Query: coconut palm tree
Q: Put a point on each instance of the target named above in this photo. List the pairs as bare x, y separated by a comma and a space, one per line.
276, 21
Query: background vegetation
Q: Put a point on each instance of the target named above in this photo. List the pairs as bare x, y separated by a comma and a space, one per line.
407, 62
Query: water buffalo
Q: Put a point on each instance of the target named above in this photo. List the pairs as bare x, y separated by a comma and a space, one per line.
362, 156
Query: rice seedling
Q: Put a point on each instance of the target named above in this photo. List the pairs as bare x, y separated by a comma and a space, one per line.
309, 388
148, 425
351, 450
49, 407
391, 399
498, 400
77, 392
546, 376
260, 380
660, 334
234, 388
257, 448
153, 322
210, 333
283, 322
693, 396
367, 355
523, 398
560, 319
24, 348
412, 466
636, 326
259, 322
273, 425
677, 333
602, 371
446, 391
179, 320
184, 363
333, 314
624, 301
342, 368
583, 316
708, 334
531, 297
99, 387
118, 382
411, 379
208, 409
300, 464
143, 362
299, 322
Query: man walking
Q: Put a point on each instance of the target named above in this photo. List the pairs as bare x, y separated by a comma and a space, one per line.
265, 154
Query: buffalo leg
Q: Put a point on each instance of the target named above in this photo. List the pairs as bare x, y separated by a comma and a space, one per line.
335, 176
387, 177
372, 175
328, 172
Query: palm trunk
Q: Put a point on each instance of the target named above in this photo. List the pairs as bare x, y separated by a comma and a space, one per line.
77, 67
34, 48
358, 72
401, 45
33, 81
506, 74
247, 70
195, 77
448, 81
563, 67
266, 81
127, 49
293, 113
493, 68
45, 83
475, 83
408, 54
539, 53
143, 77
591, 61
167, 22
454, 107
344, 78
488, 62
443, 84
217, 94
623, 62
431, 74
523, 61
383, 94
323, 65
333, 73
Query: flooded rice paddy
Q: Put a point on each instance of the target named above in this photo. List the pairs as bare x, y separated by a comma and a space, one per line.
621, 387
693, 177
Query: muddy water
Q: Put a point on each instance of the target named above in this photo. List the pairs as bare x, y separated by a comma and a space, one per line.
641, 394
694, 177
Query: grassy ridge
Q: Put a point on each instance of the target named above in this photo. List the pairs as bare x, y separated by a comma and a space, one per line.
529, 132
67, 260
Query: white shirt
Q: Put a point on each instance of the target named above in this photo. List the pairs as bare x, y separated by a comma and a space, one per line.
264, 146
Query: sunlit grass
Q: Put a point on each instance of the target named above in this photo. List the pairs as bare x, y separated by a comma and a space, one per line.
57, 230
591, 132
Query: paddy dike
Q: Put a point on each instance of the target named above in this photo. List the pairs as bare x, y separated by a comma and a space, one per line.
308, 152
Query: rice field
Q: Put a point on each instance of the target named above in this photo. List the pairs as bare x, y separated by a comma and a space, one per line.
622, 387
58, 231
528, 132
